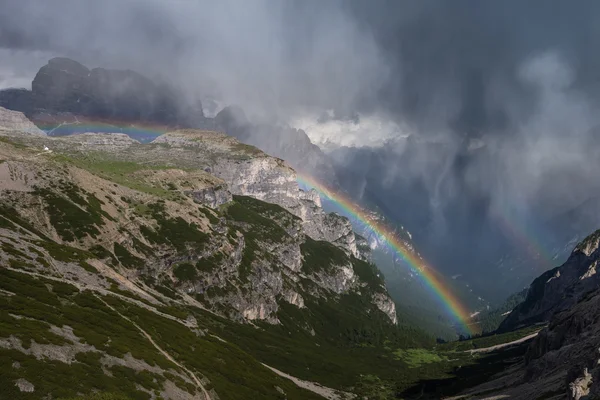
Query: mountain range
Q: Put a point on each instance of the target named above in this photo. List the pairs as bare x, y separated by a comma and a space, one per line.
68, 98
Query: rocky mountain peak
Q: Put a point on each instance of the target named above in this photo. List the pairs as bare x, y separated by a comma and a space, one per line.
64, 88
232, 118
589, 245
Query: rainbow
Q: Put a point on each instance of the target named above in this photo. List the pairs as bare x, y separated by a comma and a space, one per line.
85, 124
432, 279
516, 230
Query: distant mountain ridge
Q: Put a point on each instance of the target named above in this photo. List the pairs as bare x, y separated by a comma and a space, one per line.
64, 88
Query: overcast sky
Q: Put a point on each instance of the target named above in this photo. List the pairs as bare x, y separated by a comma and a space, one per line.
434, 65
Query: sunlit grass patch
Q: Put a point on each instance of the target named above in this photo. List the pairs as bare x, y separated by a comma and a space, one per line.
415, 358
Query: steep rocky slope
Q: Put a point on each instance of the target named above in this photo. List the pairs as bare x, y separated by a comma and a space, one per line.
174, 269
291, 144
560, 288
562, 360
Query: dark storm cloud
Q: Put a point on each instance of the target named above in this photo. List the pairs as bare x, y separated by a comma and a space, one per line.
455, 55
268, 56
434, 64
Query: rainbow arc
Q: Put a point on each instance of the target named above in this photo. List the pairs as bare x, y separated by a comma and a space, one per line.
432, 279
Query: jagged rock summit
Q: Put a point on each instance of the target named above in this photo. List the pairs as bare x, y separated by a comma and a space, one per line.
65, 91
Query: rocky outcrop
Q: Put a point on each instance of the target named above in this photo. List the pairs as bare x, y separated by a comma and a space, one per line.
330, 227
248, 171
293, 145
265, 178
107, 141
560, 288
563, 359
561, 362
213, 197
11, 121
66, 91
386, 305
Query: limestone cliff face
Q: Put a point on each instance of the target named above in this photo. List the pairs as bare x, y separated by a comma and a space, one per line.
212, 196
266, 178
386, 305
330, 227
199, 212
251, 172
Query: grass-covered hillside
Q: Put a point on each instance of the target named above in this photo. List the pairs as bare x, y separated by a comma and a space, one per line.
118, 280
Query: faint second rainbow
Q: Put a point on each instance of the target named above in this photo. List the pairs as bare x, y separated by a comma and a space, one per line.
432, 279
98, 125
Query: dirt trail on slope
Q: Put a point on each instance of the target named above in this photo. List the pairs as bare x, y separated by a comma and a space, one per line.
106, 292
139, 303
328, 393
503, 345
163, 352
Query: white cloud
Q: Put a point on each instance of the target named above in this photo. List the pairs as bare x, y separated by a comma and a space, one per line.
372, 130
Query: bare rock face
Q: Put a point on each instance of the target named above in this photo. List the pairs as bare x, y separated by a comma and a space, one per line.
213, 197
338, 279
386, 305
266, 178
249, 172
363, 247
107, 141
24, 385
14, 121
580, 387
311, 196
560, 288
330, 227
294, 298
